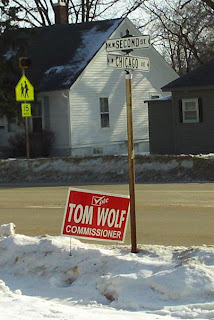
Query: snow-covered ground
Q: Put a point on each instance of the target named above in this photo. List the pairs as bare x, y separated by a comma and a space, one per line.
63, 278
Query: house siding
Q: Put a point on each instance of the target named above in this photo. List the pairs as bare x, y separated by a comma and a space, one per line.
195, 137
161, 127
55, 107
98, 80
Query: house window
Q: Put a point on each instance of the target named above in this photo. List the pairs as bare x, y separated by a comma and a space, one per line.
97, 150
104, 112
190, 110
37, 117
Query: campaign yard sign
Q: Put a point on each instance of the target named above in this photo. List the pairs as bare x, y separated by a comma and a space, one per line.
95, 215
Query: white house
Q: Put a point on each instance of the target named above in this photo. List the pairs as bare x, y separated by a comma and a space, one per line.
83, 101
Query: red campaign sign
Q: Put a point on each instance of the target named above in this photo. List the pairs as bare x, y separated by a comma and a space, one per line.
95, 215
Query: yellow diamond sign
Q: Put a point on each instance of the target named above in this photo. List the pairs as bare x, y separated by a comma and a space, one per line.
24, 90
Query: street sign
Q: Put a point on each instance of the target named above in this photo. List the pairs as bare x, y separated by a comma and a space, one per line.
96, 216
26, 110
127, 43
24, 90
128, 62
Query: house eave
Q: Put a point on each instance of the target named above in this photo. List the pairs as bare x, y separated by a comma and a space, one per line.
188, 88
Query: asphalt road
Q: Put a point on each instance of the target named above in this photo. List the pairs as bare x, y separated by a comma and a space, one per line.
166, 214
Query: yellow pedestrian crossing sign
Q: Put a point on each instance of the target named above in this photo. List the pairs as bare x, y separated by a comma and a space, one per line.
24, 90
26, 110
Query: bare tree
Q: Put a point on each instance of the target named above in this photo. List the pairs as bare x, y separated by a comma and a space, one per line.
209, 3
41, 12
181, 33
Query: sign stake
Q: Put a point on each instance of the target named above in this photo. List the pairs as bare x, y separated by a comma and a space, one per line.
128, 78
27, 139
26, 129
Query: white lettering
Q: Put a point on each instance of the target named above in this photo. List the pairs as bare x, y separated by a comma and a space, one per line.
93, 232
122, 218
88, 215
111, 218
116, 219
102, 215
71, 206
68, 228
78, 211
74, 229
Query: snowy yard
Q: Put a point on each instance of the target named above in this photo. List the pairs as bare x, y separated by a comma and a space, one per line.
62, 278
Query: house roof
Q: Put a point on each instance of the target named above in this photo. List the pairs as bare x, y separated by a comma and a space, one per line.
202, 76
59, 53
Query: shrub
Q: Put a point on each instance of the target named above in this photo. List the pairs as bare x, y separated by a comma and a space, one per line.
40, 144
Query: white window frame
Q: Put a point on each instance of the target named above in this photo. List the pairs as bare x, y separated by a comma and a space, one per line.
97, 150
195, 109
104, 113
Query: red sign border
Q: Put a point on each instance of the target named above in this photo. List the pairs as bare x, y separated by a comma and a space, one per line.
101, 193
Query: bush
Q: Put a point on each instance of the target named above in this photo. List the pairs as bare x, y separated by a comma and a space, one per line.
40, 144
17, 145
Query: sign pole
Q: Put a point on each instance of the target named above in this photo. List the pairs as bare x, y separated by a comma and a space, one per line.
26, 129
128, 62
27, 139
128, 78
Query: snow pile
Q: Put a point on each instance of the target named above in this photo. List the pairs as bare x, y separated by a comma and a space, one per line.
107, 169
65, 274
7, 229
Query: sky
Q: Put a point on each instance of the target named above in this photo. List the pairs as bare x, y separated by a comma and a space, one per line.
62, 278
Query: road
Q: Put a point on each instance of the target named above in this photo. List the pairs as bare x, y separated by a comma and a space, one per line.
166, 214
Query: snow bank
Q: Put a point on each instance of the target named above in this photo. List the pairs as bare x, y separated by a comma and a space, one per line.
164, 281
108, 169
7, 229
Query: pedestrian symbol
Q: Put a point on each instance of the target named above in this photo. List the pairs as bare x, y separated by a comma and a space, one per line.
24, 90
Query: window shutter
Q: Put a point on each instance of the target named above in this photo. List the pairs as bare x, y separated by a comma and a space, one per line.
200, 109
180, 112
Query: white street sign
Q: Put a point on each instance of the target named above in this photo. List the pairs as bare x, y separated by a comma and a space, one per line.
128, 62
128, 43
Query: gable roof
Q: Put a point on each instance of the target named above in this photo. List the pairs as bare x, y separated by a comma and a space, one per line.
202, 76
59, 53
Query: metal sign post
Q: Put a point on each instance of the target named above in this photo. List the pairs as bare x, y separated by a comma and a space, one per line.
128, 78
24, 91
27, 139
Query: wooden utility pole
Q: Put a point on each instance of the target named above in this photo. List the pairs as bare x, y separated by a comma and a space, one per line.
131, 161
27, 139
128, 62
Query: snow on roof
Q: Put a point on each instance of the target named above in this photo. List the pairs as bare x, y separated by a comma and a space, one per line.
10, 53
59, 53
168, 98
